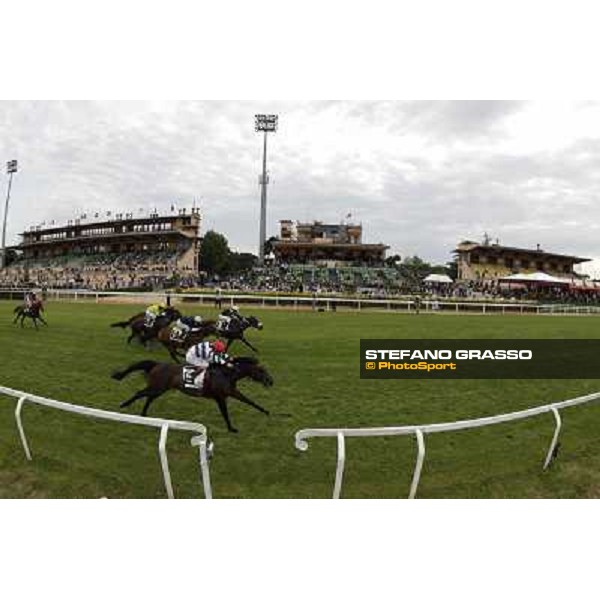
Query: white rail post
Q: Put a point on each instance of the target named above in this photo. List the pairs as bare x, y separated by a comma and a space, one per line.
418, 465
200, 441
20, 426
164, 461
339, 472
554, 442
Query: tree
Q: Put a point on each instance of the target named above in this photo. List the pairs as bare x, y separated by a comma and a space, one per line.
215, 254
268, 247
241, 261
11, 256
414, 268
452, 269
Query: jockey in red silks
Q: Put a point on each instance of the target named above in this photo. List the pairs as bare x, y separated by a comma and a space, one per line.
203, 355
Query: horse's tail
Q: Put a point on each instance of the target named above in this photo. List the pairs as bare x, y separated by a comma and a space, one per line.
17, 309
143, 365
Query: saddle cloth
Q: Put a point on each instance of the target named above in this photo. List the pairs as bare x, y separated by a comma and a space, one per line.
193, 379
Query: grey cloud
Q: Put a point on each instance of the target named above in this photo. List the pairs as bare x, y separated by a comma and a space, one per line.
419, 175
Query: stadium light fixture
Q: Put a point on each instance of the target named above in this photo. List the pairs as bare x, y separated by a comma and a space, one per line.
266, 124
11, 169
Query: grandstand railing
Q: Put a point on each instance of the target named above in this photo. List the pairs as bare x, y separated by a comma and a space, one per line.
199, 439
419, 431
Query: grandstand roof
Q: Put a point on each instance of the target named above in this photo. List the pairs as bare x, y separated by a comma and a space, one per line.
105, 236
468, 246
328, 244
91, 224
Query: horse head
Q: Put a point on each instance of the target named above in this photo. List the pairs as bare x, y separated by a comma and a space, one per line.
172, 314
248, 366
254, 322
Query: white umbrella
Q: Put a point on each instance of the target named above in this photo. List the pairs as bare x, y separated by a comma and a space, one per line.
435, 278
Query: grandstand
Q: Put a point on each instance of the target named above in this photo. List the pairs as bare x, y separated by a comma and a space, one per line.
326, 256
120, 253
334, 245
488, 261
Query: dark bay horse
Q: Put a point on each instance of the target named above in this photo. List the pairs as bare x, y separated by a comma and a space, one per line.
220, 383
234, 331
144, 334
236, 328
32, 312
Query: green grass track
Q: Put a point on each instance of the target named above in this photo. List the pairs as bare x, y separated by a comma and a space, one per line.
314, 360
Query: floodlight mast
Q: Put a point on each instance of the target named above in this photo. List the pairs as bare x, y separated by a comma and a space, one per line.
11, 168
266, 124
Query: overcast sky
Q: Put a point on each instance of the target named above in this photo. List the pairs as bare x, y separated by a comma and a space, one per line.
419, 176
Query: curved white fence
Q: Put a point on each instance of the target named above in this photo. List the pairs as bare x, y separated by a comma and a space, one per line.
419, 432
199, 439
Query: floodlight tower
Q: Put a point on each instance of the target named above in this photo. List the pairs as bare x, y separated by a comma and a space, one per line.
11, 167
266, 124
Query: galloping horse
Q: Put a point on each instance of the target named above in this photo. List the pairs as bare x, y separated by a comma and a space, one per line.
236, 328
219, 384
138, 325
33, 312
234, 331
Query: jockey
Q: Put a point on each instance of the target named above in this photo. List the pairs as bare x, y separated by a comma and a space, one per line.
185, 326
29, 299
203, 355
228, 315
206, 353
153, 312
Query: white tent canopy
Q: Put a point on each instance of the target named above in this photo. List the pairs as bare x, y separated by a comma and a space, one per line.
435, 278
537, 277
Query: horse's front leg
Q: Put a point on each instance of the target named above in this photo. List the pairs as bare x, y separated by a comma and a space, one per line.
239, 396
35, 323
173, 352
222, 404
245, 341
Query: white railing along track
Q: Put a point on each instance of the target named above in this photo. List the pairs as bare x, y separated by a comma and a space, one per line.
419, 431
199, 439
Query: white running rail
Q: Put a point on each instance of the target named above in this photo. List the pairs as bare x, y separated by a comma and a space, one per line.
199, 439
419, 432
291, 302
